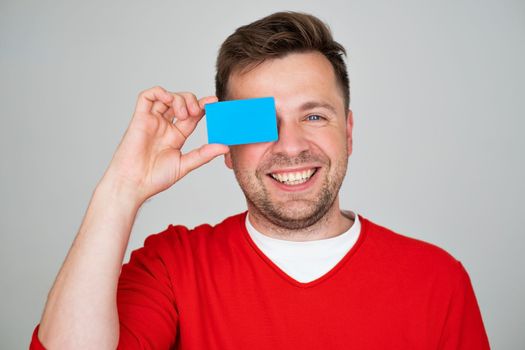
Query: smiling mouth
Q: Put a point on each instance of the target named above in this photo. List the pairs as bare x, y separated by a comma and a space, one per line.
293, 178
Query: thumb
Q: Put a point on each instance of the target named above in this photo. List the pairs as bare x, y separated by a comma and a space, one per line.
206, 100
200, 156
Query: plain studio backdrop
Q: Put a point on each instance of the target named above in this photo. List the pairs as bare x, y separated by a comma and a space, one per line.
437, 90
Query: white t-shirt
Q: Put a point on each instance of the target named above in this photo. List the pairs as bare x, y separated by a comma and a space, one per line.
309, 260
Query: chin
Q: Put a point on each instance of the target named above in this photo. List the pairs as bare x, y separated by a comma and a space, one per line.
294, 215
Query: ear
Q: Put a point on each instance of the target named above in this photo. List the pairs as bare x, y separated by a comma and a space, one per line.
349, 128
228, 160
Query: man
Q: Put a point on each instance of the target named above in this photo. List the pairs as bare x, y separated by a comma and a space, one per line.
293, 272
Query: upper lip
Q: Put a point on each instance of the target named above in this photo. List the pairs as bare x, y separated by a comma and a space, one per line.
292, 170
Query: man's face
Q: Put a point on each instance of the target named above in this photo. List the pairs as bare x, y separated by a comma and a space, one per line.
294, 181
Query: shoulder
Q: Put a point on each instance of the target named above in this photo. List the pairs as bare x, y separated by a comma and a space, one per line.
181, 247
408, 253
183, 237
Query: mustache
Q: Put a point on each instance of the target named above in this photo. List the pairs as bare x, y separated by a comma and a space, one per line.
282, 160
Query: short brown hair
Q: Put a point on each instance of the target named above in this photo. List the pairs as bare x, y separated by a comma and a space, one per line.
275, 36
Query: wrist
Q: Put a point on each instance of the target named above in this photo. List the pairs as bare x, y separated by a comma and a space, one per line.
120, 190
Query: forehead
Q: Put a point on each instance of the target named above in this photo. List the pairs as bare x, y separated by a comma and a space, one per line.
291, 79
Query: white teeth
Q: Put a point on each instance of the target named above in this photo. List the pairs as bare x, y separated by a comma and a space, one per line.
294, 178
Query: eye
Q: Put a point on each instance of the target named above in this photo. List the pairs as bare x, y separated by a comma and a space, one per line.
314, 117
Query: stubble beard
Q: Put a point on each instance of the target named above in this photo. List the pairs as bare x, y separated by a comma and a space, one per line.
294, 213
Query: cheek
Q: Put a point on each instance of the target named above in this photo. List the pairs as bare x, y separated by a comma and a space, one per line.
332, 143
247, 156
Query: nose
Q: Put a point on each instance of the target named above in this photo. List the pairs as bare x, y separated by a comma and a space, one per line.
292, 140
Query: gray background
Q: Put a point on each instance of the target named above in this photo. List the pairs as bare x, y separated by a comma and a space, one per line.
437, 94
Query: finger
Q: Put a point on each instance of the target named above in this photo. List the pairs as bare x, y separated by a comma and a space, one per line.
169, 114
187, 126
147, 98
208, 99
179, 106
192, 104
200, 156
159, 108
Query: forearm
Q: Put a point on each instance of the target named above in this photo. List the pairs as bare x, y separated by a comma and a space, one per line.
81, 310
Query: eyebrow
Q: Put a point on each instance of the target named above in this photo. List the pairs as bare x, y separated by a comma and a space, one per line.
317, 104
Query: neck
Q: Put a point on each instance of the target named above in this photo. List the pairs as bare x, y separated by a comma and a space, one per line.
332, 224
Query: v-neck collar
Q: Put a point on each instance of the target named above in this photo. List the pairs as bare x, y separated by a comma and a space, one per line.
288, 278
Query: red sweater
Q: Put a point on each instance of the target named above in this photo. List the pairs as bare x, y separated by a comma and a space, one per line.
212, 288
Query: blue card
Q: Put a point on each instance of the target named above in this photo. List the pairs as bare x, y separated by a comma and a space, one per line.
241, 121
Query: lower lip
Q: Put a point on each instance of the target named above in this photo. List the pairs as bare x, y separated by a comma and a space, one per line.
296, 188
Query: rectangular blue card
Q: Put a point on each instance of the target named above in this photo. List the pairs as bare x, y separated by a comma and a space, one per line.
241, 121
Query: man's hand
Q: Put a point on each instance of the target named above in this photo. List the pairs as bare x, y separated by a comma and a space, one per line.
149, 158
81, 310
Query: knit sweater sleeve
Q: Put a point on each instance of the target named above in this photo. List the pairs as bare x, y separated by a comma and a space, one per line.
463, 328
145, 298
